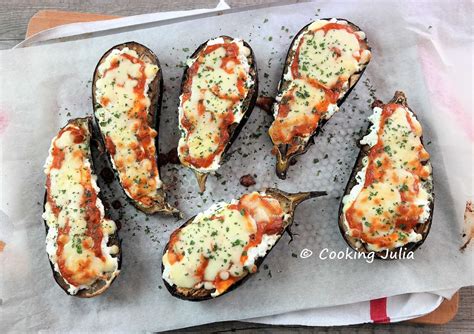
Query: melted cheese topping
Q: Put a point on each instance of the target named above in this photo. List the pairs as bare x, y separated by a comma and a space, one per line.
78, 230
220, 246
324, 57
392, 195
218, 82
123, 113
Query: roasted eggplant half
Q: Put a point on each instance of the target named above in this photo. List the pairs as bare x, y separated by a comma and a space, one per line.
81, 242
325, 61
126, 92
216, 251
387, 206
218, 92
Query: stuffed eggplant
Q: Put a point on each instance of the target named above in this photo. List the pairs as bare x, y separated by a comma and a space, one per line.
218, 92
323, 64
215, 251
388, 204
81, 242
127, 92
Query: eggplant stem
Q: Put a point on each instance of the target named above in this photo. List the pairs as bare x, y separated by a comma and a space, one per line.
201, 179
282, 167
285, 159
399, 98
283, 162
174, 211
297, 198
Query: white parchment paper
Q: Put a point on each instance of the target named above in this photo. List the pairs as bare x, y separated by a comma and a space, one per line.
44, 86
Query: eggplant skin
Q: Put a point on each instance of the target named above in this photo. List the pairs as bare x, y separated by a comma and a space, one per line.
288, 202
99, 286
247, 105
284, 161
155, 93
423, 229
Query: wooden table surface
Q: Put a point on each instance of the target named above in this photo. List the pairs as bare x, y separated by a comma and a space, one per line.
14, 17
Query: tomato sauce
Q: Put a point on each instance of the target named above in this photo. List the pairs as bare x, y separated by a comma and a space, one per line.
224, 120
110, 146
205, 161
113, 65
58, 155
144, 148
222, 285
284, 108
201, 270
104, 101
285, 132
408, 213
93, 218
173, 256
272, 226
54, 208
92, 214
62, 240
337, 26
247, 206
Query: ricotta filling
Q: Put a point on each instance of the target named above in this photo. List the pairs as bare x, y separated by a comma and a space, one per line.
261, 249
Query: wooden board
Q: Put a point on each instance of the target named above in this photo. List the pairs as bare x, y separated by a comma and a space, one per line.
443, 314
45, 19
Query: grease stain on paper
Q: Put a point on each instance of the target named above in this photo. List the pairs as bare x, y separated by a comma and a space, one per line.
440, 89
4, 121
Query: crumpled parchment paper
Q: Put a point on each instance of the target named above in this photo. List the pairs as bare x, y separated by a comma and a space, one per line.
43, 86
